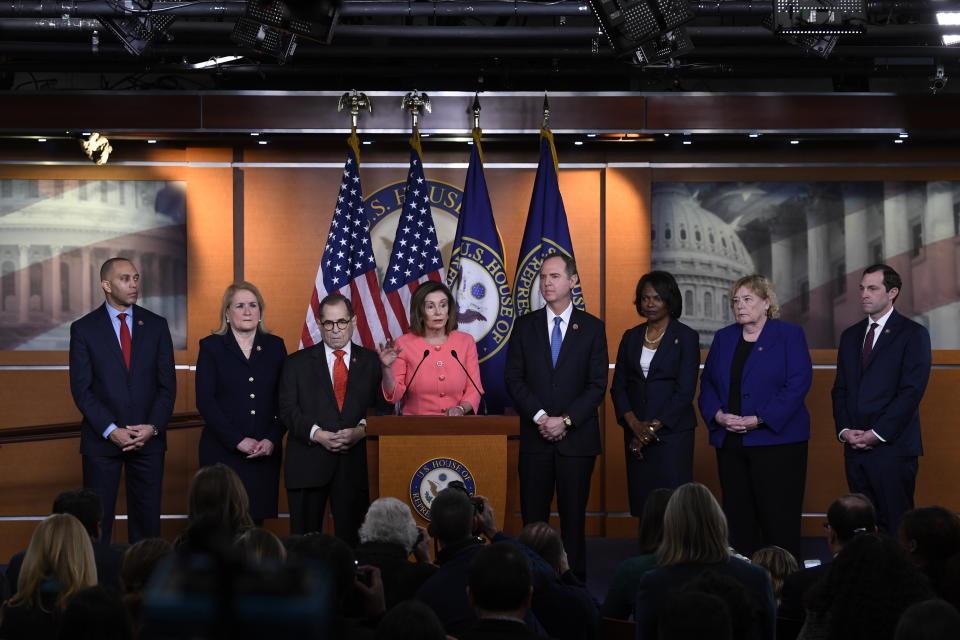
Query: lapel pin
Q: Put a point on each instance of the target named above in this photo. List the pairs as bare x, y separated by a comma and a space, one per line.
759, 348
576, 326
676, 341
353, 359
140, 323
886, 330
259, 348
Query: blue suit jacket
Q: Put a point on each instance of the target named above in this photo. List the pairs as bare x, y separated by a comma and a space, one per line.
106, 392
776, 378
886, 395
575, 387
666, 392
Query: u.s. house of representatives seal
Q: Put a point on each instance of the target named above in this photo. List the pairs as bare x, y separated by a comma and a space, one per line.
432, 477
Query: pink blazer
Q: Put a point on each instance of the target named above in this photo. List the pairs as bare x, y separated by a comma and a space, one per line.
441, 382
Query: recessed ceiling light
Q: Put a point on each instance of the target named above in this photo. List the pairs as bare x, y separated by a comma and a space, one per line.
591, 135
578, 142
754, 135
151, 142
666, 135
904, 134
368, 142
794, 142
261, 142
41, 139
688, 142
424, 135
898, 141
254, 133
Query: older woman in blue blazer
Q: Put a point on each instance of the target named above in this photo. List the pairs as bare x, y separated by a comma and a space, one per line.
653, 388
752, 391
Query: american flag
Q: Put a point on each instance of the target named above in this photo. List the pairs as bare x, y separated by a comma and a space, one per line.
348, 267
415, 257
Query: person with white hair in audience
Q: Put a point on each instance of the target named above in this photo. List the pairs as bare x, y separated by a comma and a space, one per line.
388, 536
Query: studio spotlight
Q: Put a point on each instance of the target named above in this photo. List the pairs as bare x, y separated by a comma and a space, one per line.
271, 27
816, 25
138, 28
647, 30
938, 80
97, 148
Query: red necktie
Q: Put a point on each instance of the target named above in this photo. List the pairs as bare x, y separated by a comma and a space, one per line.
126, 344
867, 347
340, 377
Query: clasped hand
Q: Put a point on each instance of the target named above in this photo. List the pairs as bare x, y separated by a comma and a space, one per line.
736, 424
552, 429
131, 437
863, 439
255, 448
338, 441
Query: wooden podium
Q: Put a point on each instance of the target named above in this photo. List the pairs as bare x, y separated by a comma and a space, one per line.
410, 457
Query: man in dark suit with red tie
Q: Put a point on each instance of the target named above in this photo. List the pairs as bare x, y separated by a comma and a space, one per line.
123, 381
325, 392
556, 373
883, 364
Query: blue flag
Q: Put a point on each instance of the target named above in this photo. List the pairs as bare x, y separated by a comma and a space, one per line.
478, 280
546, 233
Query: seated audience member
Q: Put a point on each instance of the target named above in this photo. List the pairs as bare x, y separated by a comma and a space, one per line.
928, 620
258, 546
868, 585
623, 588
779, 564
850, 515
931, 536
499, 591
410, 620
456, 523
711, 622
58, 563
96, 613
219, 507
139, 562
695, 541
85, 506
741, 607
387, 537
337, 561
563, 606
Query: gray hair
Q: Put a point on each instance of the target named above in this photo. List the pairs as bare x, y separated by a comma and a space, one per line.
389, 520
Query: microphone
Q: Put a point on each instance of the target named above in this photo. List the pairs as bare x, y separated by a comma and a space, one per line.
483, 402
426, 352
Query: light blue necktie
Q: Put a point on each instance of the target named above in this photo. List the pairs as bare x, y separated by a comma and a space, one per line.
556, 339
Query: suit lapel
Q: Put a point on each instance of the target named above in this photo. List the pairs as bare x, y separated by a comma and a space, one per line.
666, 344
355, 374
768, 336
570, 339
887, 334
322, 373
231, 345
110, 337
542, 333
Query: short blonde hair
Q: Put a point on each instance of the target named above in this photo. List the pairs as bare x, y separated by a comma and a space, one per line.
418, 323
694, 528
228, 300
61, 547
760, 286
779, 563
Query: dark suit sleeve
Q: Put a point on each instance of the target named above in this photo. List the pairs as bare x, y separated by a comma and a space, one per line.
710, 401
841, 416
297, 423
686, 385
797, 378
618, 388
515, 373
166, 391
81, 383
214, 418
913, 376
584, 406
275, 432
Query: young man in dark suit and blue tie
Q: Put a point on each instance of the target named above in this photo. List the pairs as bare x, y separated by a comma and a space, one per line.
556, 373
883, 364
123, 381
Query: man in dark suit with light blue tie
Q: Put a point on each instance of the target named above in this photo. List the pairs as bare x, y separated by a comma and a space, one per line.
556, 373
123, 381
883, 364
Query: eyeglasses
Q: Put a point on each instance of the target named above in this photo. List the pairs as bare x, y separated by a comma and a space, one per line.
340, 324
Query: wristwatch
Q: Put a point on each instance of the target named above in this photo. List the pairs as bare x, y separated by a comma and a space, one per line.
156, 432
567, 421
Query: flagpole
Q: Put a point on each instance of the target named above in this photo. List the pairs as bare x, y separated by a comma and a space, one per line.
356, 100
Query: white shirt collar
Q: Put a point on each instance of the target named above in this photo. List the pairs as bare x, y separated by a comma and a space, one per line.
331, 356
882, 320
565, 316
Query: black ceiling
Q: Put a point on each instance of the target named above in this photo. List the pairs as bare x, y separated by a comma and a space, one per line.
466, 46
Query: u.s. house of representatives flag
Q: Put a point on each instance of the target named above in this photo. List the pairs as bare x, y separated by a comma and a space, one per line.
348, 267
415, 257
545, 234
478, 280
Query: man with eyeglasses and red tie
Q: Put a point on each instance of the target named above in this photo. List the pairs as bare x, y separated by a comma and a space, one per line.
325, 392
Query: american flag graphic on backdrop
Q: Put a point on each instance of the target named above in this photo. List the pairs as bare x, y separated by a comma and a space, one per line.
348, 267
415, 257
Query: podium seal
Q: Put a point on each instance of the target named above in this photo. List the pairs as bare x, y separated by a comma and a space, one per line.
432, 477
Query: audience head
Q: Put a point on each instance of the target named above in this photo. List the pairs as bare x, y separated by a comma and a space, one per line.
60, 548
712, 621
930, 535
779, 563
451, 516
258, 546
850, 515
545, 541
333, 555
651, 520
389, 520
96, 613
694, 528
499, 582
217, 495
140, 560
928, 620
410, 620
867, 587
85, 506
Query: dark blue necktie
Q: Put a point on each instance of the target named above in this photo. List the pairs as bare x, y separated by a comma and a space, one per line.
556, 339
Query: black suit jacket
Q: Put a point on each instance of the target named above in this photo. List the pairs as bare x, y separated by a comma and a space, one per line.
575, 387
106, 392
306, 399
667, 391
886, 395
795, 588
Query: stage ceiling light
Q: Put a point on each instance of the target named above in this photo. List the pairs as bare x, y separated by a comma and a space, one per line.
271, 27
647, 30
816, 25
137, 25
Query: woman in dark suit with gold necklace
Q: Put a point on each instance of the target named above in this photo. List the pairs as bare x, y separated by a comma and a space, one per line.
237, 374
653, 386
